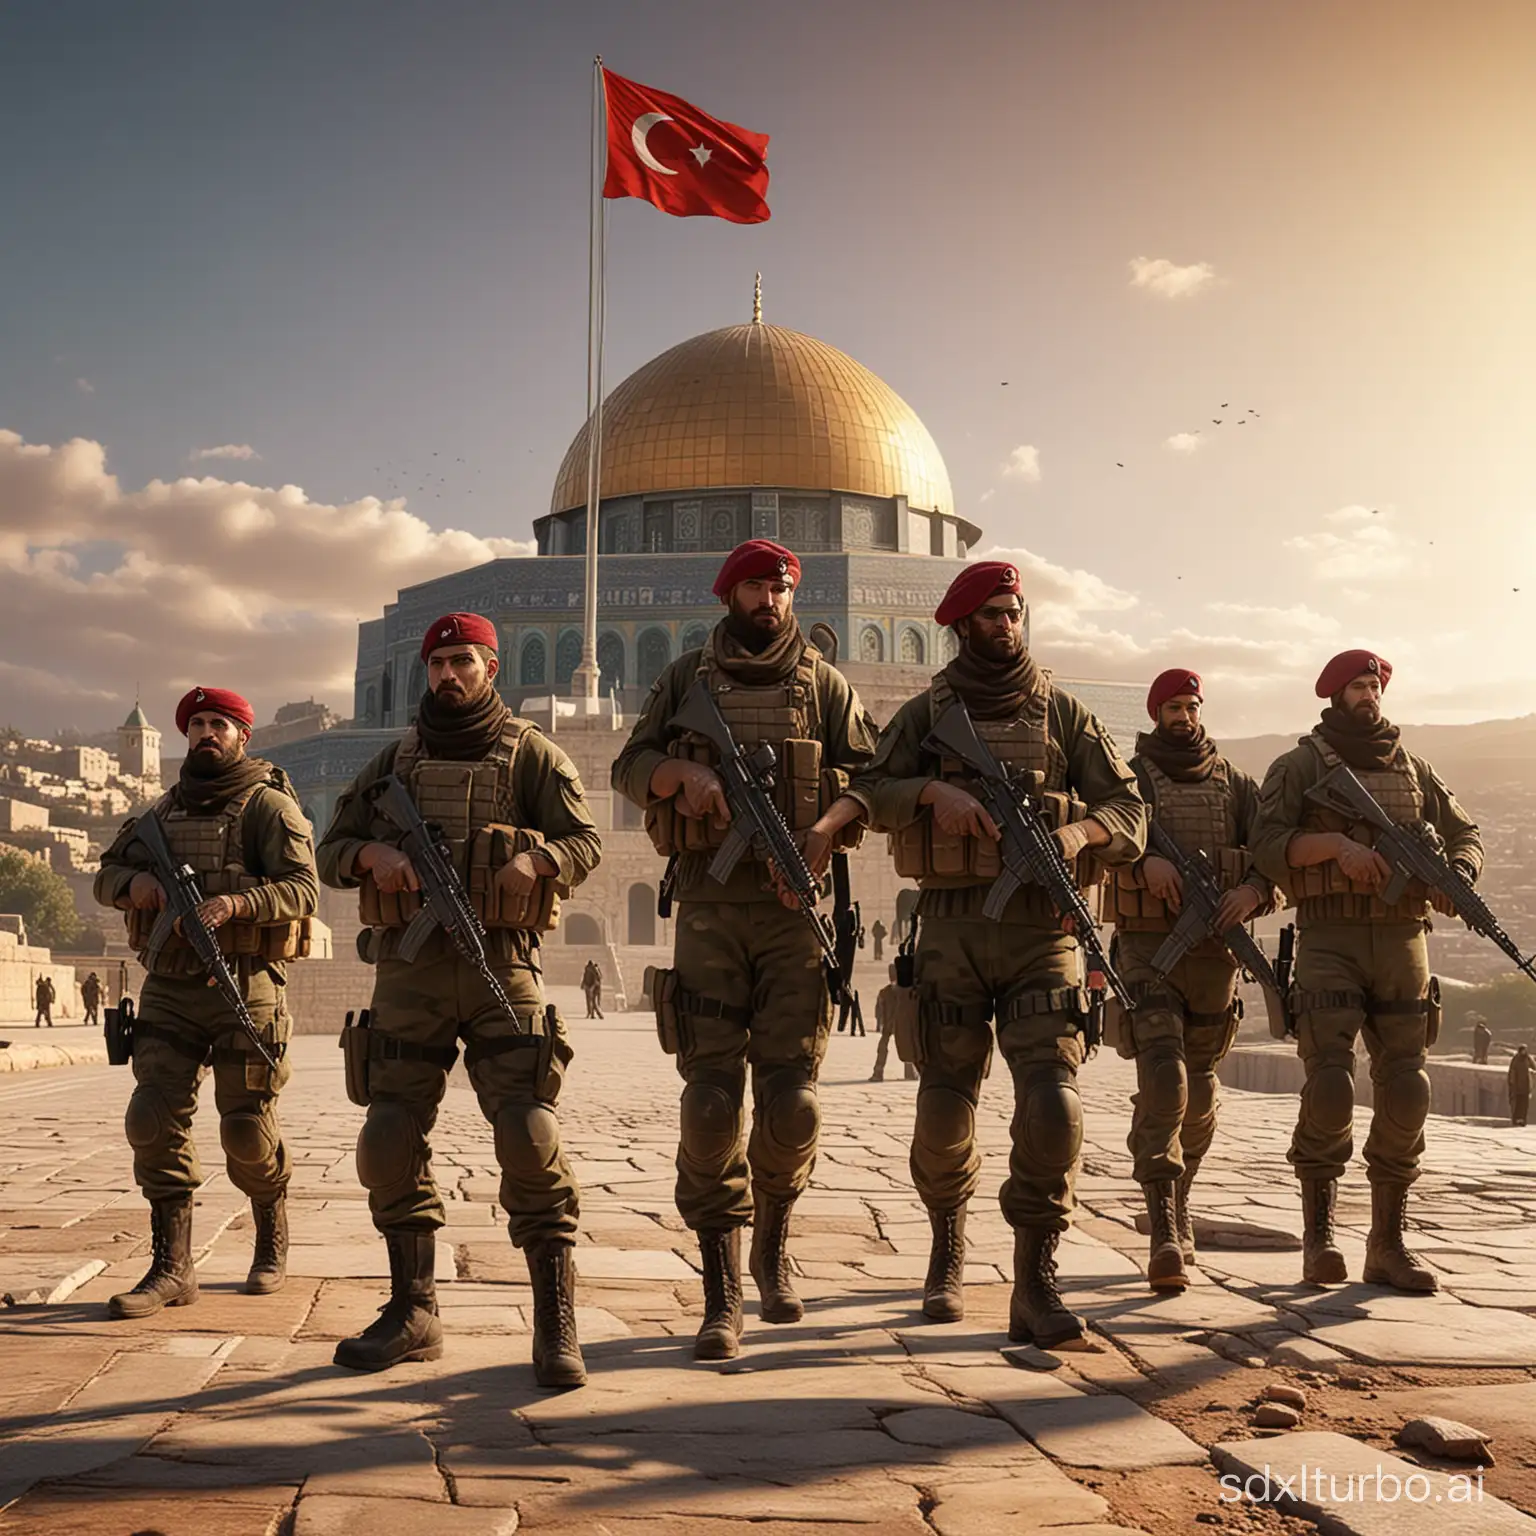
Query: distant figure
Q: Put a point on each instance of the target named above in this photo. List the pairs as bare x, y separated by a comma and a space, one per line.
1482, 1039
46, 996
885, 1022
592, 989
878, 933
90, 995
1520, 1086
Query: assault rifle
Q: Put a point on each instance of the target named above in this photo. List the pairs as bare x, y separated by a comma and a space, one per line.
1028, 850
756, 825
1415, 852
444, 901
848, 924
1197, 921
183, 897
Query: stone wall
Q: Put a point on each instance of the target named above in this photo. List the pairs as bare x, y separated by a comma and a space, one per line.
20, 966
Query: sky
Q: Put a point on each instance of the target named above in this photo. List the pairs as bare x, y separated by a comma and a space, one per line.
292, 314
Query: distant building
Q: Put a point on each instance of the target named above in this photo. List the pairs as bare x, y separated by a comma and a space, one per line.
139, 748
293, 722
92, 766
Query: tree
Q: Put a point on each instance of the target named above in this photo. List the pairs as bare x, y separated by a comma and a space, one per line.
43, 899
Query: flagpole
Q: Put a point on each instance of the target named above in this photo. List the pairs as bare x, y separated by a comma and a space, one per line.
584, 682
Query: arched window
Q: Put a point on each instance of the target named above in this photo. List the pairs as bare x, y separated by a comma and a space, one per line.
387, 699
912, 647
655, 653
871, 644
642, 914
580, 928
532, 665
610, 662
695, 637
949, 646
370, 703
567, 658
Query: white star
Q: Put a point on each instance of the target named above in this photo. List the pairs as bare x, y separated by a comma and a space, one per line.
701, 154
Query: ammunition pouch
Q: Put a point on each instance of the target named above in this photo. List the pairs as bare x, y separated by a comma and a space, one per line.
660, 984
1134, 909
384, 909
1282, 1026
906, 1025
361, 1044
1324, 893
491, 849
272, 943
354, 1057
118, 1028
541, 1031
1118, 1027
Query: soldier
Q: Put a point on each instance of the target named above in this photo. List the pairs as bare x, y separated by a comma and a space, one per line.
592, 989
1022, 971
1183, 1025
1361, 965
233, 819
748, 981
47, 995
513, 810
90, 996
1482, 1039
1520, 1085
877, 933
885, 1022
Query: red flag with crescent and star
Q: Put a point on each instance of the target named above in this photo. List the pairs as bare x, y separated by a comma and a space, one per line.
685, 162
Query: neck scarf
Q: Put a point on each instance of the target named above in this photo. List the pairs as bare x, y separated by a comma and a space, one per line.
1361, 746
207, 797
1184, 762
775, 663
461, 735
993, 690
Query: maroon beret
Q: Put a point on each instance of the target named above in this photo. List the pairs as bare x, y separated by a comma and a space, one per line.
1346, 667
752, 561
214, 701
1169, 685
458, 629
973, 586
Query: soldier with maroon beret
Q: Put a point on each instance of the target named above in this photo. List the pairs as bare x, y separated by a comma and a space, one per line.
1362, 964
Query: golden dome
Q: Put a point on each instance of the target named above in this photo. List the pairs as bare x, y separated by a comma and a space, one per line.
758, 405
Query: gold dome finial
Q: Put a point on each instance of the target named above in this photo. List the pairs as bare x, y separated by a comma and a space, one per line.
757, 300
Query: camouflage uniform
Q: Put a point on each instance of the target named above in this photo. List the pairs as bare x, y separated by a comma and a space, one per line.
1361, 967
885, 1023
1022, 972
751, 992
1184, 1024
523, 794
259, 845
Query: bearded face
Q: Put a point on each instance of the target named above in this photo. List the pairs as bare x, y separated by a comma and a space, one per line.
758, 612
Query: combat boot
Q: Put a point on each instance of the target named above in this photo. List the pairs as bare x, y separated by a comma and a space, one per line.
170, 1280
269, 1260
407, 1327
769, 1261
1165, 1265
1387, 1261
944, 1289
1036, 1313
1321, 1261
1184, 1221
719, 1336
557, 1358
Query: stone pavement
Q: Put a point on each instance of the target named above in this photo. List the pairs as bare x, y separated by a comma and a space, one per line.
228, 1417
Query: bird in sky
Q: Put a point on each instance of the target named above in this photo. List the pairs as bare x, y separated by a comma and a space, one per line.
1215, 421
1119, 465
1223, 405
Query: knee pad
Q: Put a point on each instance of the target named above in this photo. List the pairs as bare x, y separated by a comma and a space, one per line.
145, 1120
710, 1121
527, 1137
946, 1120
247, 1138
1329, 1096
791, 1117
1165, 1083
1201, 1103
1404, 1097
388, 1145
1048, 1123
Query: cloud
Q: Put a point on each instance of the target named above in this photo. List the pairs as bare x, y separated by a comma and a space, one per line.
223, 451
1367, 549
1184, 442
1023, 463
85, 386
987, 495
194, 580
1297, 619
1160, 276
1055, 592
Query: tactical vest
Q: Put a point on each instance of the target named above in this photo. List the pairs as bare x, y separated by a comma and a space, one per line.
214, 848
474, 805
1324, 891
1200, 816
924, 852
787, 716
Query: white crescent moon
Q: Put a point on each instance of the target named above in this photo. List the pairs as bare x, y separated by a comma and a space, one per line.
643, 125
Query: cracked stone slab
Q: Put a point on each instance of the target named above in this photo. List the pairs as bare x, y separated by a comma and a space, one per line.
328, 1514
1345, 1487
1016, 1504
1450, 1336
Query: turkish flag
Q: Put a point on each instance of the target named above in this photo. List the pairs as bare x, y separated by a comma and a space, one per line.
682, 160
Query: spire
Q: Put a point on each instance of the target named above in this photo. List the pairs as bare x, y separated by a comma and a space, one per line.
757, 301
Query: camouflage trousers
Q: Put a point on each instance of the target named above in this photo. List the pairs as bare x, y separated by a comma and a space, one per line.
420, 1011
751, 994
1181, 1028
182, 1025
970, 973
1368, 979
